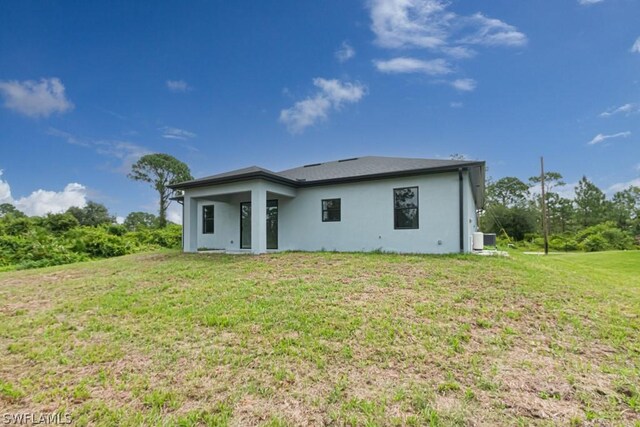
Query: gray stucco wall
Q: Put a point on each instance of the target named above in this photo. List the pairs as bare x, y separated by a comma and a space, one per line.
366, 216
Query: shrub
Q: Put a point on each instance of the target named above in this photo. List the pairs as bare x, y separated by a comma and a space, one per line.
17, 226
603, 237
116, 229
168, 237
60, 223
595, 243
97, 242
563, 243
36, 250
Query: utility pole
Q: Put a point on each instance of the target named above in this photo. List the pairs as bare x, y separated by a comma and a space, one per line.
545, 231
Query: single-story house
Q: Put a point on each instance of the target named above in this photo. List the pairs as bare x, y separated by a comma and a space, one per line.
358, 204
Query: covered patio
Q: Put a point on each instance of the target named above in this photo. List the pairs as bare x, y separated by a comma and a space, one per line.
242, 216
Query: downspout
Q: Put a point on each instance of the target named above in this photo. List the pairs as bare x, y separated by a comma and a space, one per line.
461, 205
182, 203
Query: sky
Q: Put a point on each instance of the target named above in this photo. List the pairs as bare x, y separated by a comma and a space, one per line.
87, 88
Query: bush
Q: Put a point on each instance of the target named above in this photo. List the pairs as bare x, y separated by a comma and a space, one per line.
168, 237
36, 250
116, 229
595, 243
97, 242
60, 223
605, 236
563, 243
18, 226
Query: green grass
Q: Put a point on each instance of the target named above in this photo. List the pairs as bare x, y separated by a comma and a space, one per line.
326, 338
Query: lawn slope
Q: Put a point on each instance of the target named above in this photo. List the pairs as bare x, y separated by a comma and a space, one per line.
324, 338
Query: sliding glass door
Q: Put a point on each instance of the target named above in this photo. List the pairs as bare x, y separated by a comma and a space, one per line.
272, 225
245, 225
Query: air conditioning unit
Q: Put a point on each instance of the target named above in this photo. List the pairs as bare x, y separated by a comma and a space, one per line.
490, 239
478, 241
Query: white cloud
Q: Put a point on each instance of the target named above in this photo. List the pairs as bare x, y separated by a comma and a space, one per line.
35, 98
491, 32
601, 137
120, 220
174, 213
71, 139
465, 85
175, 133
125, 152
428, 24
626, 109
406, 23
567, 191
332, 94
619, 186
459, 52
178, 86
5, 190
456, 104
399, 65
588, 2
345, 52
42, 202
636, 46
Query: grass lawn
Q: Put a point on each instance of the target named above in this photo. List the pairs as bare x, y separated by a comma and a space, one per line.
325, 338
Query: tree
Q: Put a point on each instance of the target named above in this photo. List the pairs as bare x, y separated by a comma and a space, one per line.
557, 212
591, 203
60, 223
508, 191
160, 170
626, 209
560, 212
551, 181
516, 221
9, 209
93, 214
138, 220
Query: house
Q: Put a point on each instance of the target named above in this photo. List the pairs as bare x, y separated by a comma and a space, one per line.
358, 204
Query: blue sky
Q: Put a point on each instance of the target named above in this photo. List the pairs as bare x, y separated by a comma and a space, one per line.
88, 87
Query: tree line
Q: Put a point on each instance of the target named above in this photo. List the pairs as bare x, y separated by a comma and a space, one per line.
79, 234
90, 231
588, 221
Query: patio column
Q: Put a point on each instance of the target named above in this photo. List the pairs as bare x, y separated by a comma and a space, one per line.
259, 219
190, 225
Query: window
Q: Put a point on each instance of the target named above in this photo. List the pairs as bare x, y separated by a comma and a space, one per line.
405, 208
207, 219
331, 210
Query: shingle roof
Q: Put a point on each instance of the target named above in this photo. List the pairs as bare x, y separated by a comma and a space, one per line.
364, 166
353, 169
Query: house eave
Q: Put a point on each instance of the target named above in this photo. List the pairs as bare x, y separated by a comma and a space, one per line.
478, 188
231, 179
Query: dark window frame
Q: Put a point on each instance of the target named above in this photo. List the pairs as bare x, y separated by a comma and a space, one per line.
396, 209
205, 219
327, 210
